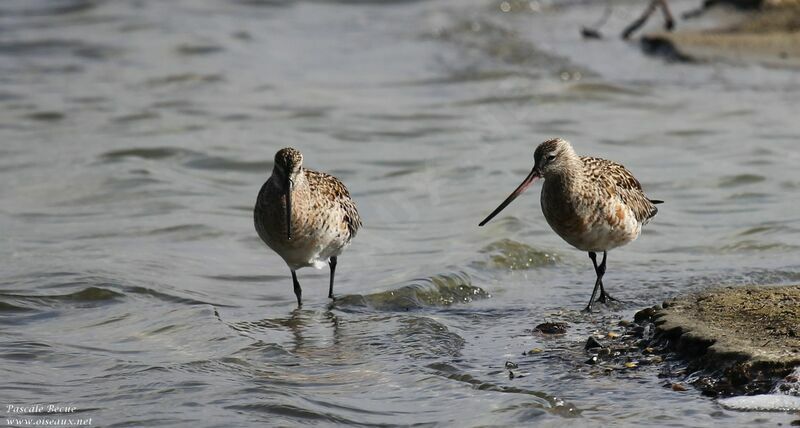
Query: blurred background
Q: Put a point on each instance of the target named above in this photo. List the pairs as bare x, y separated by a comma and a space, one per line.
135, 135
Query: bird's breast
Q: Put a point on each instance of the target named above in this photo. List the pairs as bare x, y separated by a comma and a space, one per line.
588, 221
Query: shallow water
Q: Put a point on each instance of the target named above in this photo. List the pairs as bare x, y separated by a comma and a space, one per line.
136, 134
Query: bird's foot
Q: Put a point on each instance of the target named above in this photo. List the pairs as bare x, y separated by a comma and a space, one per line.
606, 298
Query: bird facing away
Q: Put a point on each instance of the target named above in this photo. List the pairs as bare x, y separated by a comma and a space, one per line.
593, 204
305, 216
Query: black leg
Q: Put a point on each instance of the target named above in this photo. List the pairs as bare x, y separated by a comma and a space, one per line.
669, 22
599, 282
604, 297
297, 290
332, 263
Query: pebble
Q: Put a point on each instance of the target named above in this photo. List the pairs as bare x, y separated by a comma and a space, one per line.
552, 328
592, 343
644, 314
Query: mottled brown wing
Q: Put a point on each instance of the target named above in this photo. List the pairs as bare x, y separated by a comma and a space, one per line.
620, 182
337, 193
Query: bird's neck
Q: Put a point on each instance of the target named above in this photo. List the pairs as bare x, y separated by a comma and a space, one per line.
278, 180
569, 179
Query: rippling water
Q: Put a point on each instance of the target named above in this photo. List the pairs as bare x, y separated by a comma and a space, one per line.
136, 134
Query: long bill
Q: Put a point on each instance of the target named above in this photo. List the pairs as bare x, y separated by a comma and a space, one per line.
533, 175
288, 188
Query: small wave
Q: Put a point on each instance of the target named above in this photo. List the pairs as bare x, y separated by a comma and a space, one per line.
183, 232
136, 117
8, 307
146, 153
255, 279
190, 158
46, 116
756, 246
63, 7
437, 290
423, 337
186, 78
513, 255
225, 164
198, 49
740, 180
291, 411
543, 400
603, 88
265, 3
168, 297
90, 296
53, 47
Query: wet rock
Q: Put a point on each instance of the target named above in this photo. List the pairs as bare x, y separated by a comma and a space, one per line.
741, 336
511, 365
678, 387
551, 328
592, 343
645, 315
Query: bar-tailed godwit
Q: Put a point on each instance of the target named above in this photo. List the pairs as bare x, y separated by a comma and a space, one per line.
305, 216
593, 204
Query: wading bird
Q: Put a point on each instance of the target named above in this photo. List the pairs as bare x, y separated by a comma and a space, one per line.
305, 216
593, 204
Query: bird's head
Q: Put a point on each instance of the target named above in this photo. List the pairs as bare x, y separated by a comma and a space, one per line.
552, 157
288, 164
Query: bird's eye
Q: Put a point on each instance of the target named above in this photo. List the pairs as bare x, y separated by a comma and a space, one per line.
551, 157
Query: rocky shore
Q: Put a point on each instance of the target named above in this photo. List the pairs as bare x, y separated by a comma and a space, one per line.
736, 340
753, 329
725, 342
768, 34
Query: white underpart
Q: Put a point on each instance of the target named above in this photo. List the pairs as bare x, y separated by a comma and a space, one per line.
314, 255
313, 246
602, 235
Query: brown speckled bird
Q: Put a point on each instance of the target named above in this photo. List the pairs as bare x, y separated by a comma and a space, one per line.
305, 216
593, 204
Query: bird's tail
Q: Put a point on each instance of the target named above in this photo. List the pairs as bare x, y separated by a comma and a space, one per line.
653, 209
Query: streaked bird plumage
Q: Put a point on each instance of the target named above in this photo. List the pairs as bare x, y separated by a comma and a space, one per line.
594, 204
307, 217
